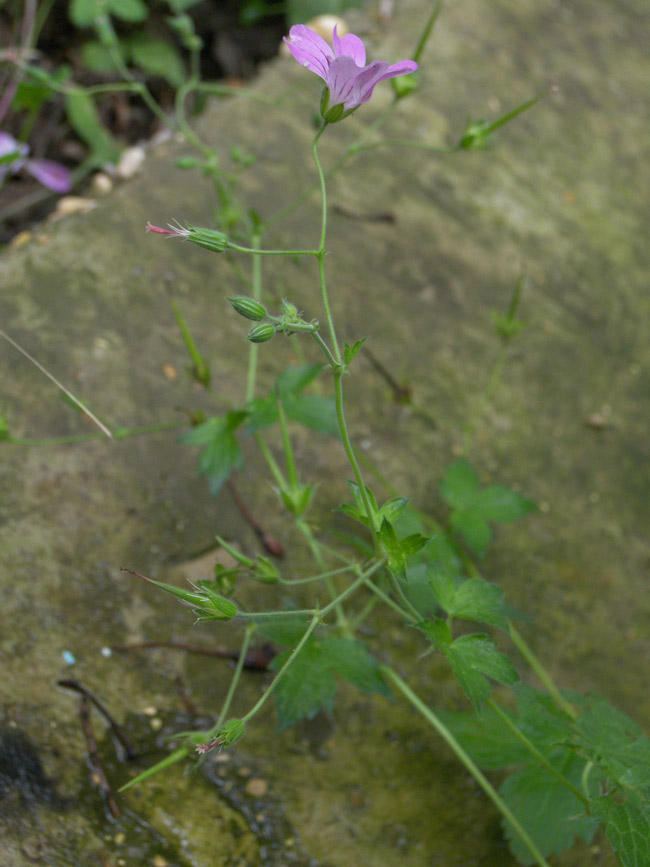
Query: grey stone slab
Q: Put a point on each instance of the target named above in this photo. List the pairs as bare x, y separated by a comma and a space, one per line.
562, 199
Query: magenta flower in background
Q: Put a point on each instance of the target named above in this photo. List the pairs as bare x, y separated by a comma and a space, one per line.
47, 172
343, 66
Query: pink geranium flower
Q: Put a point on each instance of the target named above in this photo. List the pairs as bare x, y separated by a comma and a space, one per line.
47, 172
343, 66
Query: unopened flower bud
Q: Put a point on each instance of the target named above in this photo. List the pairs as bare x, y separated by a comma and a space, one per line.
249, 308
231, 731
261, 333
405, 85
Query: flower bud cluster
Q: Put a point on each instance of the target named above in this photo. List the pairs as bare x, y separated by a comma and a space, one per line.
288, 323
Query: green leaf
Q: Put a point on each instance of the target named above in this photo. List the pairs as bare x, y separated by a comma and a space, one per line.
473, 527
221, 453
460, 484
472, 507
615, 743
34, 91
498, 503
489, 741
393, 509
352, 661
309, 683
473, 658
84, 119
314, 412
128, 10
438, 633
82, 13
627, 828
350, 351
307, 686
285, 631
296, 378
156, 57
96, 56
551, 814
443, 587
479, 600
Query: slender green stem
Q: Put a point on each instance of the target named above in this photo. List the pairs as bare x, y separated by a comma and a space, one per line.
349, 450
474, 770
305, 529
390, 602
292, 472
119, 434
325, 348
248, 634
258, 252
404, 598
312, 578
317, 617
253, 352
350, 151
541, 672
530, 746
271, 462
289, 661
321, 247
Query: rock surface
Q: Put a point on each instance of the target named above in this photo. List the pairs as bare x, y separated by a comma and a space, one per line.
561, 199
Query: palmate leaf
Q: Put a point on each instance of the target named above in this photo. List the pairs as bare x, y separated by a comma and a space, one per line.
627, 828
473, 659
473, 508
310, 683
311, 410
551, 814
221, 453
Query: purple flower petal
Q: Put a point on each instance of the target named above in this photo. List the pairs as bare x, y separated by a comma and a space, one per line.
9, 145
309, 49
379, 70
50, 174
349, 46
341, 77
349, 81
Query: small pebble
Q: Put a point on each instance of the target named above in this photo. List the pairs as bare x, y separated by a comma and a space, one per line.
150, 710
256, 787
156, 724
106, 652
130, 162
101, 184
68, 657
68, 205
159, 861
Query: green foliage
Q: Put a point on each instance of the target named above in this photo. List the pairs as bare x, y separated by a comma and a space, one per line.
156, 57
397, 551
473, 659
474, 599
601, 752
84, 119
221, 453
552, 815
627, 828
310, 684
84, 12
349, 352
473, 507
311, 410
